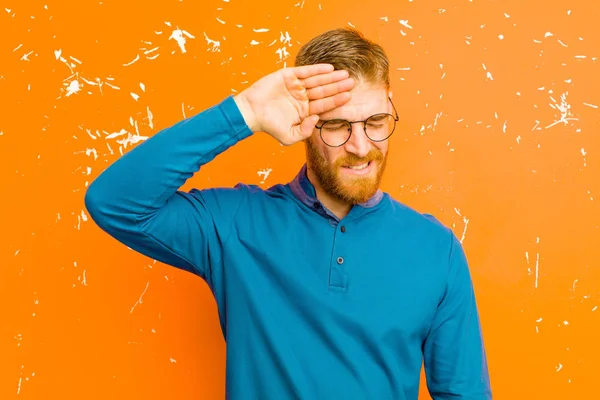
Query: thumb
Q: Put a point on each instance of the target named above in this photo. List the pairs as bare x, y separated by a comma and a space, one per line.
307, 126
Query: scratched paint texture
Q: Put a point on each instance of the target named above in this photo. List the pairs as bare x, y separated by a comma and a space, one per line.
498, 138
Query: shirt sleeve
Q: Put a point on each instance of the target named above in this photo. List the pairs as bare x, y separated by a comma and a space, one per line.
138, 201
454, 354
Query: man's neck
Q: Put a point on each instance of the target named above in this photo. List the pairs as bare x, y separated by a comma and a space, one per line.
339, 208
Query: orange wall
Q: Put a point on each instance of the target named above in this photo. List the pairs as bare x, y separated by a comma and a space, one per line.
498, 138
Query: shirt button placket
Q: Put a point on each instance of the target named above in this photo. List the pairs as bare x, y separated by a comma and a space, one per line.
338, 277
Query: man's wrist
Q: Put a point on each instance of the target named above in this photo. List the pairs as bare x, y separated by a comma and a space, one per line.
246, 111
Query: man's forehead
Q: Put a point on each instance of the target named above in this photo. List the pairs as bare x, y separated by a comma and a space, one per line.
356, 110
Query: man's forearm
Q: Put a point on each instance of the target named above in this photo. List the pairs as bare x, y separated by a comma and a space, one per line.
142, 181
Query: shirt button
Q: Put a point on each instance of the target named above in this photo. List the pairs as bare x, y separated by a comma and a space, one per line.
317, 204
340, 260
343, 229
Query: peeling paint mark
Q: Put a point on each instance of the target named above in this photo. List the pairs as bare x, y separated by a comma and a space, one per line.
179, 36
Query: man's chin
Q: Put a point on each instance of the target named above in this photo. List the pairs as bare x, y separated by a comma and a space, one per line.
358, 191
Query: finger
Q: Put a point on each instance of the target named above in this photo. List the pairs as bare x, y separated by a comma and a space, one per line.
305, 129
325, 79
331, 89
307, 71
321, 106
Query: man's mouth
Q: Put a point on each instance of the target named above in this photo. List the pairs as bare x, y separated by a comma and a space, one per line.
363, 168
358, 167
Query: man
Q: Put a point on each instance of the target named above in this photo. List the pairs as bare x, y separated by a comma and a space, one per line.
326, 287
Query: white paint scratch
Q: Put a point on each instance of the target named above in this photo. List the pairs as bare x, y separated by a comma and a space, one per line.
129, 140
564, 108
140, 299
404, 22
466, 221
21, 379
150, 118
148, 51
26, 56
488, 74
216, 45
264, 174
537, 266
137, 57
92, 151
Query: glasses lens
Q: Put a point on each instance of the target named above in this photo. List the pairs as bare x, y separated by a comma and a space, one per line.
380, 127
335, 132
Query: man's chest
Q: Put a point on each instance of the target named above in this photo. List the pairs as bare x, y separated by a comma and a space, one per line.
380, 283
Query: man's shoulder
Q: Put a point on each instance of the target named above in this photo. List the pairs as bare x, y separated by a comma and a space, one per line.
425, 222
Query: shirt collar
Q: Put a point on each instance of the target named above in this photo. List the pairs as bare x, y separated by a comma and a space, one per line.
304, 190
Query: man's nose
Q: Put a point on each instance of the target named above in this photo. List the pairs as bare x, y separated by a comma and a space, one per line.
358, 144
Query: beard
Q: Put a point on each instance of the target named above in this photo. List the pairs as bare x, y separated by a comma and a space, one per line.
349, 189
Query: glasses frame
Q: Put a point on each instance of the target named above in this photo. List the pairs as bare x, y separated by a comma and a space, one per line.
396, 119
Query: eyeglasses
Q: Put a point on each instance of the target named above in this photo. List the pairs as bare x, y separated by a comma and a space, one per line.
378, 127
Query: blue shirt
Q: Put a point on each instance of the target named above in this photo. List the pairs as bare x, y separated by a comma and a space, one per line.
311, 306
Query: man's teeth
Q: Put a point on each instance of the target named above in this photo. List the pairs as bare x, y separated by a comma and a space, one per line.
358, 167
